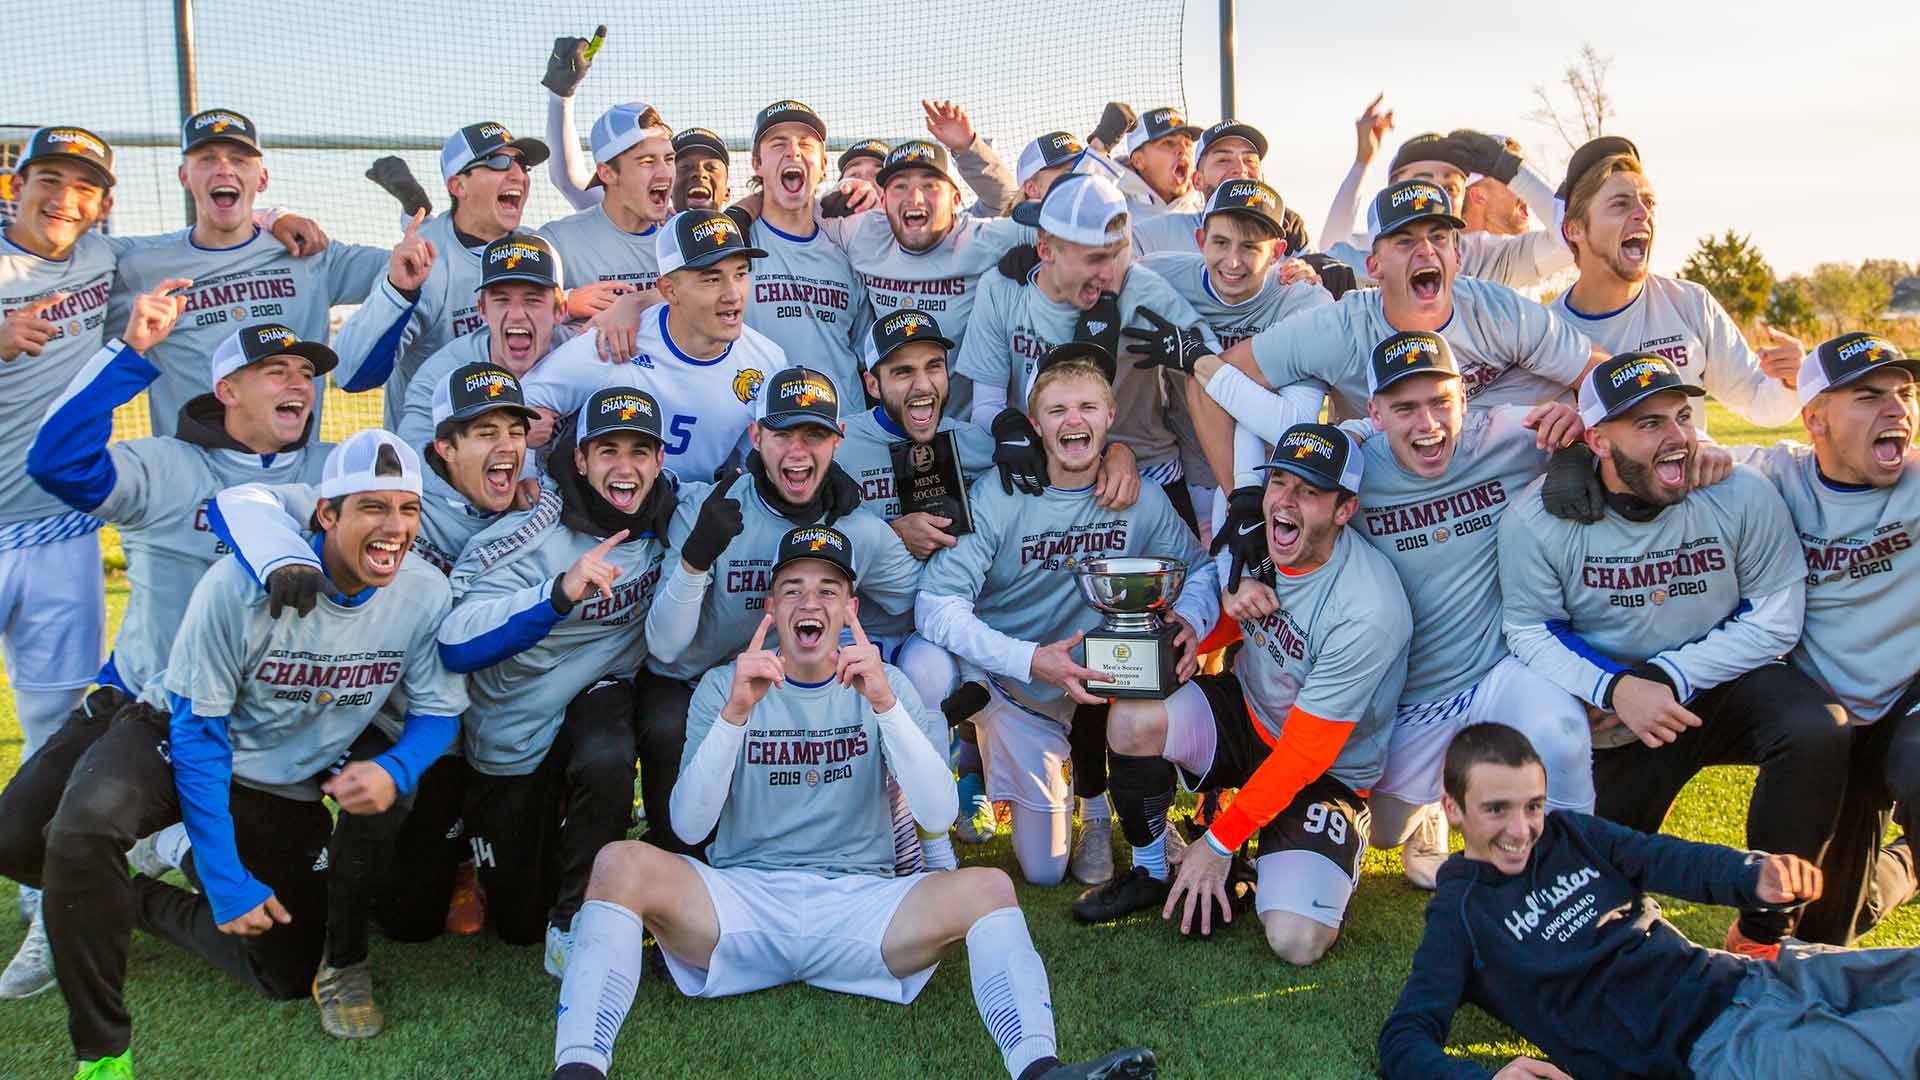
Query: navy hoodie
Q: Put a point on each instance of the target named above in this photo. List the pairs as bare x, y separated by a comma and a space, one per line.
1573, 953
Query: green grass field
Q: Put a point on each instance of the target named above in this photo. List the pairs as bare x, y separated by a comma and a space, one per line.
471, 1007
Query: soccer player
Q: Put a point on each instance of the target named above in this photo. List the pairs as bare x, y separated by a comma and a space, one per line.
1545, 922
1004, 600
1438, 480
1158, 162
609, 249
694, 353
806, 298
1667, 616
863, 159
549, 628
700, 168
1300, 725
242, 274
1229, 150
257, 718
1622, 306
787, 757
1045, 159
1083, 288
434, 272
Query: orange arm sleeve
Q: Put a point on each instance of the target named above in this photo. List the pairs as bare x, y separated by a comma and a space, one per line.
1308, 746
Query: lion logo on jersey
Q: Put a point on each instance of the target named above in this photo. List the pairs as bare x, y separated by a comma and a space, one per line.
1659, 596
746, 384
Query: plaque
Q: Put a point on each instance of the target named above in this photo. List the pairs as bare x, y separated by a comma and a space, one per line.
928, 479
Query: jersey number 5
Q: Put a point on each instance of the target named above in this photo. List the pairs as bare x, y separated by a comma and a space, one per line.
681, 432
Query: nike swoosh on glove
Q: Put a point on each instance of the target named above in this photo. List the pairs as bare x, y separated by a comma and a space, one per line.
1244, 534
1017, 451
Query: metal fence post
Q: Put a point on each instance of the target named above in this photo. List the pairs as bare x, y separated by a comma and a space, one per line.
183, 63
1226, 58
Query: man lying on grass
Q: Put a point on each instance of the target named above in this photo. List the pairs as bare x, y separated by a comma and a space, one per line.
1545, 922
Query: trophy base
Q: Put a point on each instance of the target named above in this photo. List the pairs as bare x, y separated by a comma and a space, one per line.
1139, 664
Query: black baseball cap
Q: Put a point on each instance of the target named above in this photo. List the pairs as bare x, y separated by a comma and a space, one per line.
520, 256
1618, 383
821, 542
1590, 154
617, 408
903, 328
1429, 146
1400, 205
1158, 124
1079, 350
1320, 454
68, 144
219, 125
696, 239
1249, 199
482, 140
1231, 129
472, 390
799, 395
865, 148
1839, 361
787, 112
264, 341
1411, 352
915, 154
701, 140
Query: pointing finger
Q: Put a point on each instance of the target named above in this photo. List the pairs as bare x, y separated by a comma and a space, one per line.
759, 641
853, 624
170, 285
413, 226
39, 307
608, 544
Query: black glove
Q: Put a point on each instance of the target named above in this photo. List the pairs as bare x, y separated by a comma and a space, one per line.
1244, 533
569, 62
741, 217
392, 174
1166, 345
1293, 230
839, 493
1019, 262
1572, 491
1018, 453
1335, 276
296, 586
719, 522
834, 205
1115, 120
1100, 323
1477, 151
960, 705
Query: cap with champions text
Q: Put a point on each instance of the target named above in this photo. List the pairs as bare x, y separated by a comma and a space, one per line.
1320, 454
264, 341
520, 256
700, 140
478, 142
67, 144
916, 154
1592, 153
900, 329
372, 459
621, 128
787, 112
696, 239
1249, 199
1051, 150
617, 408
1839, 361
472, 390
1618, 383
1400, 205
1158, 124
822, 542
865, 148
1231, 129
219, 125
799, 395
1080, 208
1410, 352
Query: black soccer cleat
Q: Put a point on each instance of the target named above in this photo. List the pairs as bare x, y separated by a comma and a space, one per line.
1133, 1063
1135, 890
582, 1071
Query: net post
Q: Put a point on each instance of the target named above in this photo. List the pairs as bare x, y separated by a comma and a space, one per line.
183, 64
1226, 58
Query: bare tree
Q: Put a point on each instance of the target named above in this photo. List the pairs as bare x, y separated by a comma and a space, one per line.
1586, 81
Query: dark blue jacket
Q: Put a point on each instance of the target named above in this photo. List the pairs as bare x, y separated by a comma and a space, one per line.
1573, 954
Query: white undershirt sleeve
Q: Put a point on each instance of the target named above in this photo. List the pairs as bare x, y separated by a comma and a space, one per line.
922, 772
949, 622
700, 793
675, 614
567, 166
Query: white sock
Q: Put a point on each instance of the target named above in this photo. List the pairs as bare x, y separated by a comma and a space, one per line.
1153, 857
1095, 809
939, 852
41, 713
1010, 988
603, 973
171, 844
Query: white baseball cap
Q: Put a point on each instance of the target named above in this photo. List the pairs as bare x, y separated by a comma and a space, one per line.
355, 465
621, 128
1080, 208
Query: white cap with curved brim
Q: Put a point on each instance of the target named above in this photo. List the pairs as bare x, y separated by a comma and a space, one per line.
358, 465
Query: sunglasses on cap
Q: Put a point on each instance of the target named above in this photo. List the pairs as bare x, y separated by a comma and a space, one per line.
499, 161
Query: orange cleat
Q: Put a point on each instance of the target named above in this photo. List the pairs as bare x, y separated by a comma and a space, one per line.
467, 911
1741, 945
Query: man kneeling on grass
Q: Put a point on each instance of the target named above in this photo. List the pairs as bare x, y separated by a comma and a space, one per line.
1545, 922
801, 886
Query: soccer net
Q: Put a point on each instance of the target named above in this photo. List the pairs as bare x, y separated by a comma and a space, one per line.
333, 86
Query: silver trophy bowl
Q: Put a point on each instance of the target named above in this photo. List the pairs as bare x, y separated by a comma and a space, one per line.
1132, 591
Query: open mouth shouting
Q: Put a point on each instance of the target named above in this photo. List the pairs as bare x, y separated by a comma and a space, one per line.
1426, 281
225, 196
699, 193
1182, 172
1076, 446
512, 198
914, 217
502, 474
1429, 449
660, 199
1283, 537
624, 494
922, 411
518, 342
796, 478
793, 178
809, 631
1635, 247
291, 412
381, 559
1890, 446
1670, 468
